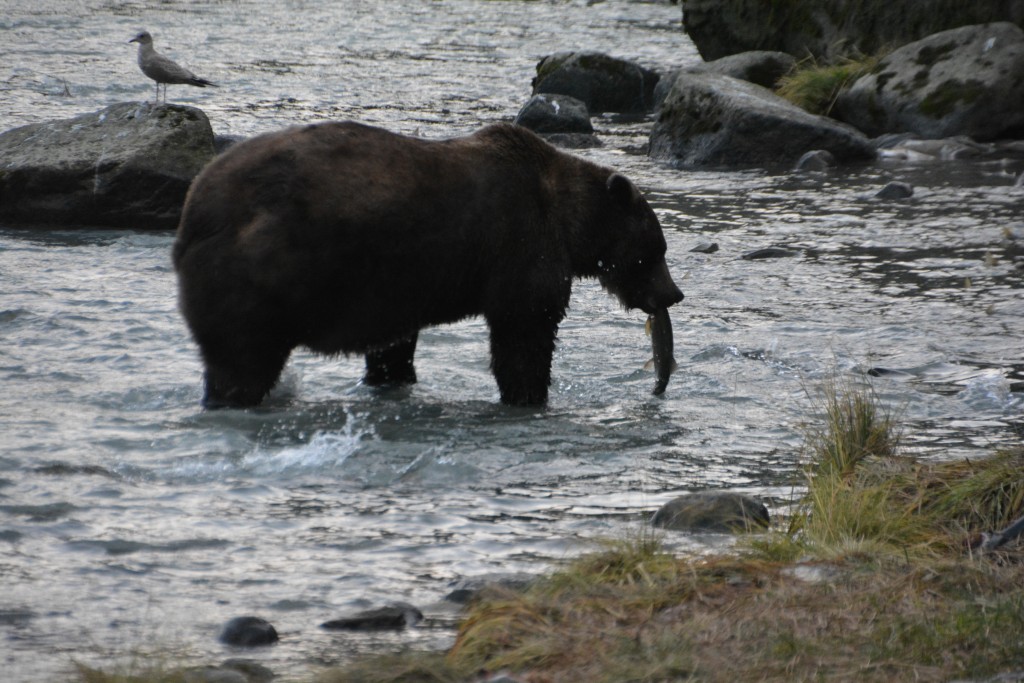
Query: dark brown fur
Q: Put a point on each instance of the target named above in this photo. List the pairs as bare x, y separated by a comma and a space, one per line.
349, 239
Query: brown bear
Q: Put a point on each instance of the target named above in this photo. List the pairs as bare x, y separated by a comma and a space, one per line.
345, 238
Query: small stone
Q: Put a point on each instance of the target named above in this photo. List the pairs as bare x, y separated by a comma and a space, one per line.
767, 252
248, 632
706, 247
466, 589
895, 190
816, 160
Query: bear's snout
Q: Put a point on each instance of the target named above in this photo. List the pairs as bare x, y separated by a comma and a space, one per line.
662, 291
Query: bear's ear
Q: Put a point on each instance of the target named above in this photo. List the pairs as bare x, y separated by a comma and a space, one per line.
621, 189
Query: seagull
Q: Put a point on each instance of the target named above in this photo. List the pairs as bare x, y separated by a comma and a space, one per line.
163, 70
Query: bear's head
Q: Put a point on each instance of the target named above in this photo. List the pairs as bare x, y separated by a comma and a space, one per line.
631, 257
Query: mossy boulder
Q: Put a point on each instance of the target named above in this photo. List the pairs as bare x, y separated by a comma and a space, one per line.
713, 120
603, 83
712, 511
830, 28
128, 165
965, 81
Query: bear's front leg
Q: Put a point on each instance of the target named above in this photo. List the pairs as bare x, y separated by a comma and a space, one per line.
521, 353
392, 364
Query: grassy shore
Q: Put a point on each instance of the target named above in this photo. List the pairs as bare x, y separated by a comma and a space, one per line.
876, 575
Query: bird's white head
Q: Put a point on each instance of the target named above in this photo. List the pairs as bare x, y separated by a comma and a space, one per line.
142, 38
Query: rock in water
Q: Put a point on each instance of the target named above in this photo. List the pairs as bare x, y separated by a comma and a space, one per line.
393, 617
128, 165
248, 632
712, 511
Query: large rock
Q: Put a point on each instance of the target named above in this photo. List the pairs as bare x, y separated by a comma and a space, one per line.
714, 120
603, 83
761, 67
966, 81
248, 632
552, 113
128, 165
830, 28
715, 511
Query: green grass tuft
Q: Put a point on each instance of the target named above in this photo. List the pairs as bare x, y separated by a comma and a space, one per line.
815, 88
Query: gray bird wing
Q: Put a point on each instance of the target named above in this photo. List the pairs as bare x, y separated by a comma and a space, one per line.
163, 70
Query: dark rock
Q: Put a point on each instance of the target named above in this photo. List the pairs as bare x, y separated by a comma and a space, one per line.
706, 248
713, 120
889, 373
128, 165
551, 113
895, 190
602, 83
815, 160
761, 67
573, 140
248, 632
712, 511
221, 143
826, 29
393, 617
768, 252
469, 588
966, 81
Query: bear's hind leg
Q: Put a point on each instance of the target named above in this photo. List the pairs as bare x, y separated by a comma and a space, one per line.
392, 365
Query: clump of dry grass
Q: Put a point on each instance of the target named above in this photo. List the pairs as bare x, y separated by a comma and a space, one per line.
816, 87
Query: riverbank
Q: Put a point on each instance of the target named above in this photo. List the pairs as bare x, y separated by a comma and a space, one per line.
879, 573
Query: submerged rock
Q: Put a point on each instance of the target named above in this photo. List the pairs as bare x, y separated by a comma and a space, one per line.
766, 253
248, 632
895, 190
603, 83
393, 617
705, 247
128, 165
714, 120
714, 511
469, 588
815, 160
965, 81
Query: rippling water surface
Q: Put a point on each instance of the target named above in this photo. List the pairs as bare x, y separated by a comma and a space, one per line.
131, 521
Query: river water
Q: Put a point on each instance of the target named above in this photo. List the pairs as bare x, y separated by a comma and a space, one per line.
132, 522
